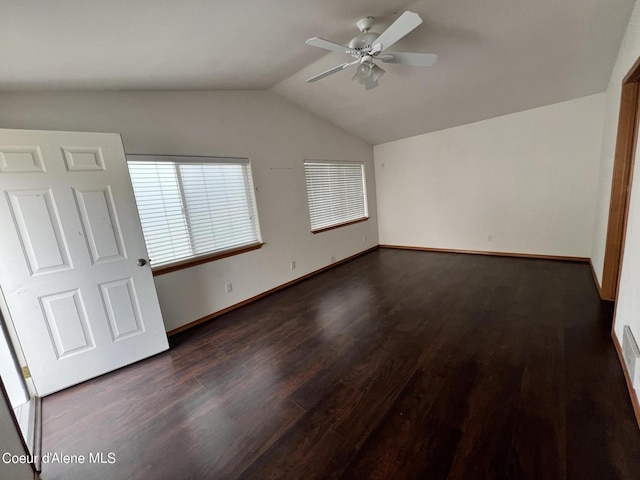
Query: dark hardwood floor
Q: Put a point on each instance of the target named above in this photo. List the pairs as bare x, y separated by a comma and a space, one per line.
397, 365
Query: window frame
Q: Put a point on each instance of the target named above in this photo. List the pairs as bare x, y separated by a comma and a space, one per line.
365, 199
191, 261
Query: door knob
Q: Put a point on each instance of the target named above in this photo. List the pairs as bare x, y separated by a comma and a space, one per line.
141, 262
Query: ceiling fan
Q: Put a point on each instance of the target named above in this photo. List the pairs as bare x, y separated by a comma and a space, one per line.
369, 46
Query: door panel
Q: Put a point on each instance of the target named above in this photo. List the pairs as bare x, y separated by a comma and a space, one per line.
38, 225
22, 159
83, 159
66, 318
80, 303
100, 225
122, 307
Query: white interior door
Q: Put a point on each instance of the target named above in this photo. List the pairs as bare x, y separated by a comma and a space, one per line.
70, 238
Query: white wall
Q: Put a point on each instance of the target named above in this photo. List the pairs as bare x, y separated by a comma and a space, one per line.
527, 179
628, 300
274, 133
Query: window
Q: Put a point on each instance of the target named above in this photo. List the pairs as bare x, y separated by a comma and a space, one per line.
192, 207
337, 193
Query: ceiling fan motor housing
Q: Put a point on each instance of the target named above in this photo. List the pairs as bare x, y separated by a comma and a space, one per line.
363, 41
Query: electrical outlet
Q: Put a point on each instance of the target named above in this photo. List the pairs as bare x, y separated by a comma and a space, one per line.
292, 264
364, 239
333, 259
490, 238
228, 287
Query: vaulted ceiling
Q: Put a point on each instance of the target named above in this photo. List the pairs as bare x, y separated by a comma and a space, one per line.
495, 56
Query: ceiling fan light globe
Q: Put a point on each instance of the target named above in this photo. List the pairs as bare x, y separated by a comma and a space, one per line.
377, 72
365, 69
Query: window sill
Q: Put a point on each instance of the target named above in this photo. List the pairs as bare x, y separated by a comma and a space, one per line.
191, 262
332, 227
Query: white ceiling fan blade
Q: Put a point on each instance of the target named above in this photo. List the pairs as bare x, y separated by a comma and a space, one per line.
328, 72
327, 45
415, 59
398, 29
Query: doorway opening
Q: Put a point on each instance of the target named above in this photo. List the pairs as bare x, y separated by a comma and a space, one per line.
19, 393
621, 182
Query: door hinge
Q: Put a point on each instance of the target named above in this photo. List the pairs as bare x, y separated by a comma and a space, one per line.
26, 373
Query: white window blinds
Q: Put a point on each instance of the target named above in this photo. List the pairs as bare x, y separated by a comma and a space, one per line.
193, 206
336, 192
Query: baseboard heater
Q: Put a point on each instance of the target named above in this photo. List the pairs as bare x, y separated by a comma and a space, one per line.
631, 355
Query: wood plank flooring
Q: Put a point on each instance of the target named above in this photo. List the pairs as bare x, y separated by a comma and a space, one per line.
397, 365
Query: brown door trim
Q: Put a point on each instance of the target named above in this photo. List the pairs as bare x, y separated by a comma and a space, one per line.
621, 182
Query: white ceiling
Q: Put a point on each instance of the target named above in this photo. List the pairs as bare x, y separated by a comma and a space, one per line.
495, 56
